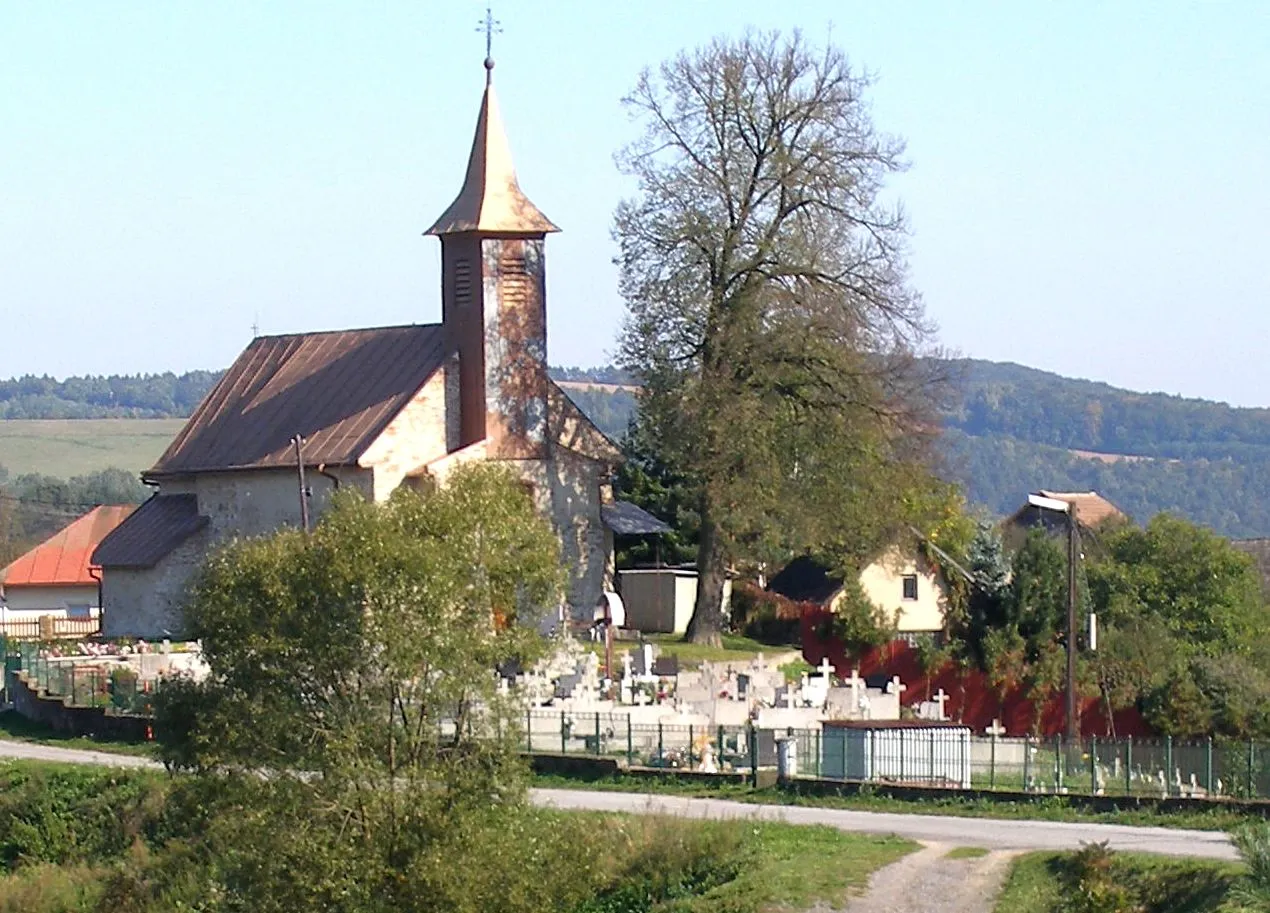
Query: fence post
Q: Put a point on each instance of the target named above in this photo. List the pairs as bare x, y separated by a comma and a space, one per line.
630, 743
661, 755
1058, 763
564, 748
992, 759
1208, 767
690, 746
1168, 764
1128, 766
598, 752
817, 754
1251, 766
930, 772
1027, 763
752, 740
1093, 765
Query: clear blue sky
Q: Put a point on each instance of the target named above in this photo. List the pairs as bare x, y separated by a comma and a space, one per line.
1088, 194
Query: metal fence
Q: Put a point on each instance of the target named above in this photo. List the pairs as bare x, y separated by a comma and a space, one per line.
79, 683
1142, 767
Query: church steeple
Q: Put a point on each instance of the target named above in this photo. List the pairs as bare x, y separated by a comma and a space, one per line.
491, 201
494, 297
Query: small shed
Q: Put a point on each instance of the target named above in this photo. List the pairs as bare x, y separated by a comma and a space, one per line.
662, 600
922, 752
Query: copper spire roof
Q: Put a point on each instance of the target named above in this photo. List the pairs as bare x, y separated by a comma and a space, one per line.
491, 199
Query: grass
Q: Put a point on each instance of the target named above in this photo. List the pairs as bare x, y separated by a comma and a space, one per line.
734, 649
19, 729
966, 852
1041, 883
1048, 808
71, 447
795, 866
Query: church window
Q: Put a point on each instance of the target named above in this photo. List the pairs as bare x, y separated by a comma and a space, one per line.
462, 283
910, 586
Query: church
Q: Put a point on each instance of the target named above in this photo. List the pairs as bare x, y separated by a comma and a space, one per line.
375, 409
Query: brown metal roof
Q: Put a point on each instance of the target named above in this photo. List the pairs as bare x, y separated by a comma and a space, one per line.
338, 389
152, 531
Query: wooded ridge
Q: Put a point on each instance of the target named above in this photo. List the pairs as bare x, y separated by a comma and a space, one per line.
1011, 429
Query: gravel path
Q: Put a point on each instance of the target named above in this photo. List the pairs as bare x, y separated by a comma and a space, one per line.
929, 882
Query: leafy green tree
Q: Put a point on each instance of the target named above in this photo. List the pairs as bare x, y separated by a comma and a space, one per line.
770, 321
354, 668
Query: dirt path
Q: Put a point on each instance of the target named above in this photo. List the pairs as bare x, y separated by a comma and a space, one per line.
929, 882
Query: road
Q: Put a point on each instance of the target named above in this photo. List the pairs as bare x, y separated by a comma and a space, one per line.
992, 833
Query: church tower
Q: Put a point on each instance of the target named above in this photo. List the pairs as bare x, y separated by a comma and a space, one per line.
493, 296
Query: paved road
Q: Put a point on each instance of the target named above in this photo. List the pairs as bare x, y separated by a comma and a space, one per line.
986, 832
34, 752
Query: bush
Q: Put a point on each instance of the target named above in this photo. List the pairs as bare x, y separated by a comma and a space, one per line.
764, 616
1092, 883
1253, 843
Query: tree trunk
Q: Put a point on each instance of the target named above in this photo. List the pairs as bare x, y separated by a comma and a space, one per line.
706, 625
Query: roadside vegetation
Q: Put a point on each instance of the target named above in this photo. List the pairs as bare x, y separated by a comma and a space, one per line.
1098, 880
82, 840
19, 729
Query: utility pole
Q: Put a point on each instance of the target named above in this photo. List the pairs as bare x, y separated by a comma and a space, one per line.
1073, 556
298, 441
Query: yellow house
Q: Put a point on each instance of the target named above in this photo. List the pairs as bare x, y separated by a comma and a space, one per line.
909, 589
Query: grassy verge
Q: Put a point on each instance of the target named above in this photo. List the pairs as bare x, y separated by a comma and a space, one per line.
1048, 808
1052, 883
19, 729
75, 840
966, 852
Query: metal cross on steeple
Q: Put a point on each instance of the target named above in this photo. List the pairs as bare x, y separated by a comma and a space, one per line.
491, 27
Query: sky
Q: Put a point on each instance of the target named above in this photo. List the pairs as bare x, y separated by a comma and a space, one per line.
1088, 187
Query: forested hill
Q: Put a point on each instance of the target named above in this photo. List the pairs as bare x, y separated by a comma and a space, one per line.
1012, 430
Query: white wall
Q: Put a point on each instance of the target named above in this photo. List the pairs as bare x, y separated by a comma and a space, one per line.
47, 600
882, 582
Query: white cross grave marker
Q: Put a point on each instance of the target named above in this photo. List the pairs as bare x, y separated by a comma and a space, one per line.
895, 686
940, 698
996, 730
825, 668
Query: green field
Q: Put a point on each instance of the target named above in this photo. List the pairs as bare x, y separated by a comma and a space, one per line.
64, 448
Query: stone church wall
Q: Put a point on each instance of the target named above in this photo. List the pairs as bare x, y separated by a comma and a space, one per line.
567, 488
418, 435
149, 602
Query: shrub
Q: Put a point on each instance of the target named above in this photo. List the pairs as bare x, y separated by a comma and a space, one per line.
1253, 843
1092, 883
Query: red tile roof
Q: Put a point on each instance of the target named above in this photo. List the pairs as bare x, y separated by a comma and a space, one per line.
339, 389
65, 559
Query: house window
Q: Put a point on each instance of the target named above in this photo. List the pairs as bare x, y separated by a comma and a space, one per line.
910, 586
79, 611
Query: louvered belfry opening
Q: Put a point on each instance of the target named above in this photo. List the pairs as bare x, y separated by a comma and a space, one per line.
494, 304
461, 312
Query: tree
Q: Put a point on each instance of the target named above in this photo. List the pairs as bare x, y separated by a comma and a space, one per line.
769, 318
356, 668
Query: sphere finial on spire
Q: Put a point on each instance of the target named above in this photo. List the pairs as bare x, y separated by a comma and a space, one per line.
490, 26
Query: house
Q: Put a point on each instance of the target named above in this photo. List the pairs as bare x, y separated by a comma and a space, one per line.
375, 409
57, 577
903, 581
1091, 510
